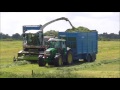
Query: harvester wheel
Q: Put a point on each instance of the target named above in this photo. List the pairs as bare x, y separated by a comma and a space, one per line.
14, 59
69, 58
41, 62
58, 61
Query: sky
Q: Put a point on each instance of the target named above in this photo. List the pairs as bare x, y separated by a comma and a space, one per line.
12, 22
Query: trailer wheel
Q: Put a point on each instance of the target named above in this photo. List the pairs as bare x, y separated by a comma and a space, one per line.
58, 61
69, 58
41, 62
93, 57
88, 58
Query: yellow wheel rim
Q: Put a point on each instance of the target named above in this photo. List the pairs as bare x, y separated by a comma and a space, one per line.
69, 58
60, 61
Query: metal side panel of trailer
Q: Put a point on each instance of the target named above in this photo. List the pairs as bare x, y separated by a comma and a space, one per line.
81, 43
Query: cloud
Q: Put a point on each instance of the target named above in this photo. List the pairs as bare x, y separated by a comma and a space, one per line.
103, 22
12, 22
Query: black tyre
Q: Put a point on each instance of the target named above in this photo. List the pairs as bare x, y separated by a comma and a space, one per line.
58, 61
88, 58
14, 59
93, 57
69, 58
41, 62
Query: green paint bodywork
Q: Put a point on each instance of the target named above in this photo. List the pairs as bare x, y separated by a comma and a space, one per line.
50, 49
48, 57
31, 57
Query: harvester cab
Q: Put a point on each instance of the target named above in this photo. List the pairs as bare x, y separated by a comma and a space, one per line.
32, 36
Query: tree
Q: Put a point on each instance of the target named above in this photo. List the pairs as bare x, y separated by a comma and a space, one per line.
16, 36
4, 36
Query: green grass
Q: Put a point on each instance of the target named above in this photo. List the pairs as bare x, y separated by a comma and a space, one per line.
9, 49
107, 64
108, 50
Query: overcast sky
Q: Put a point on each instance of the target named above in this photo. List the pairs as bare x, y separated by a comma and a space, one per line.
12, 22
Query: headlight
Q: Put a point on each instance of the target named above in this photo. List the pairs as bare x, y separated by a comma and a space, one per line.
40, 56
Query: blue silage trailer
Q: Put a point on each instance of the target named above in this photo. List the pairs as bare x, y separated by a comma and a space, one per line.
84, 45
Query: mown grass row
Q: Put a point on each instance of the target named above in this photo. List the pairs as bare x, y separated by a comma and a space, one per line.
59, 72
40, 75
80, 64
14, 64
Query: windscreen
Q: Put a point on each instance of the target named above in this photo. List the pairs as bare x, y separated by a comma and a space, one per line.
33, 39
54, 44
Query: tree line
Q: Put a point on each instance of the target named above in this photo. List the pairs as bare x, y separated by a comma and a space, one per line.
104, 37
108, 37
15, 36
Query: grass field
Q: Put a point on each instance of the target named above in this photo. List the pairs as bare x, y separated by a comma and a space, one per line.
107, 64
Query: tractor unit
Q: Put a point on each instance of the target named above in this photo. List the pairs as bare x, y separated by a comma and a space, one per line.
57, 53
